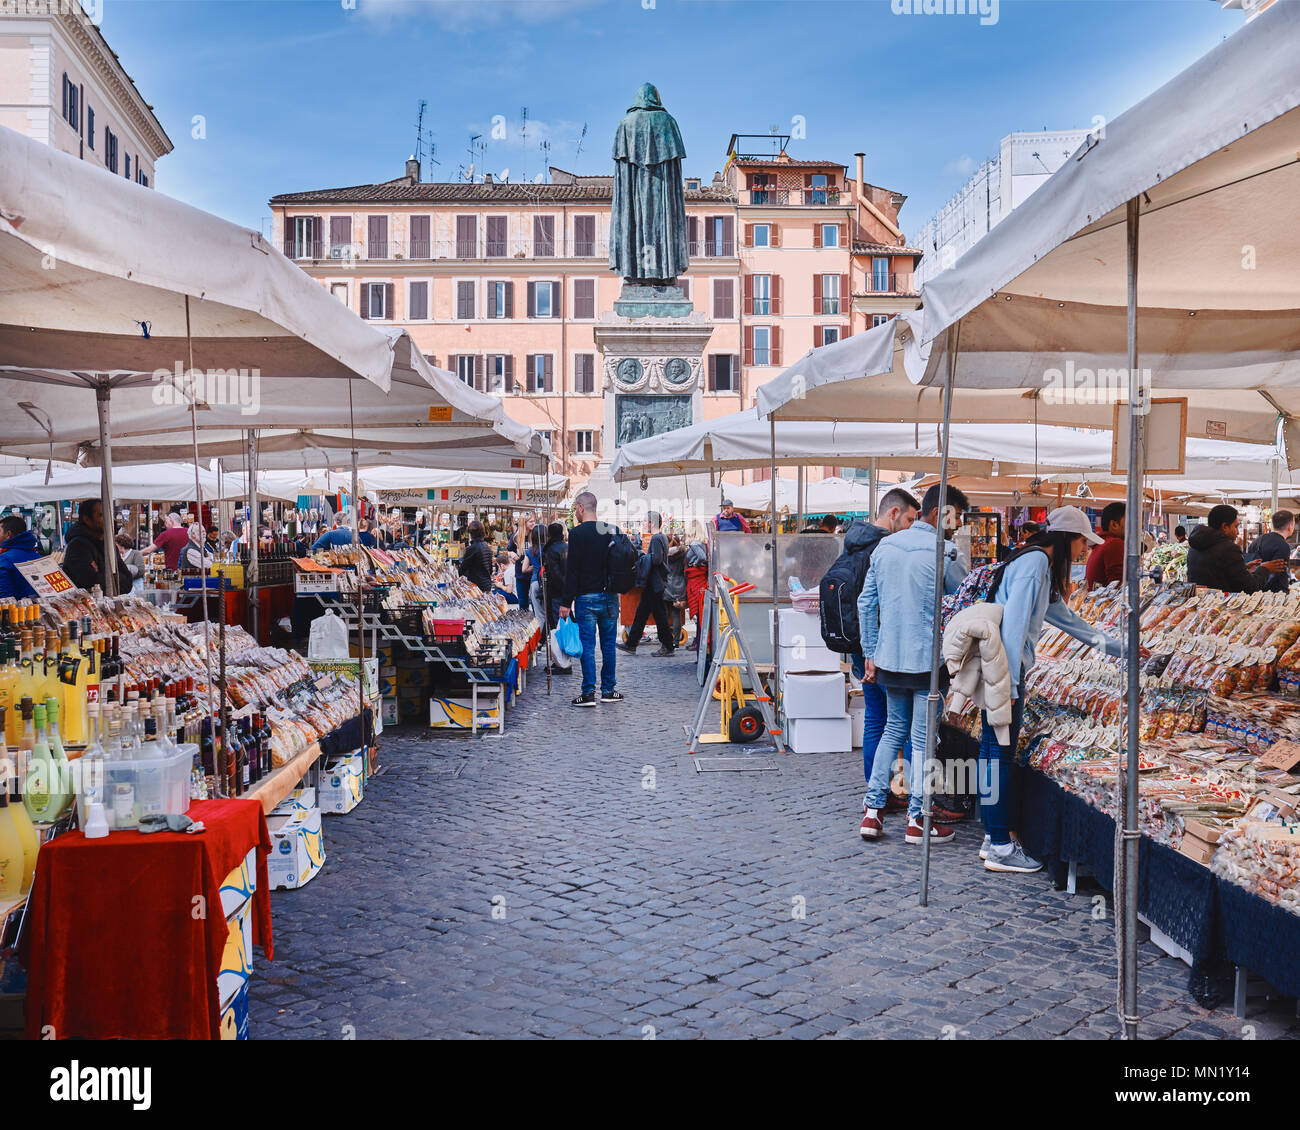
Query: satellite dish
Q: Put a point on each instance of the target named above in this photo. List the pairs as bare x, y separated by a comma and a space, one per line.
470, 172
537, 179
503, 175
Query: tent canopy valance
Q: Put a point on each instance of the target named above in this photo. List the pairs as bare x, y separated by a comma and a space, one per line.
165, 482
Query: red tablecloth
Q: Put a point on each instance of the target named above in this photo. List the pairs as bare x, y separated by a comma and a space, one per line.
118, 943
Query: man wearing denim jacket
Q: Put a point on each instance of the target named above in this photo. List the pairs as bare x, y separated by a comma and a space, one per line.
897, 645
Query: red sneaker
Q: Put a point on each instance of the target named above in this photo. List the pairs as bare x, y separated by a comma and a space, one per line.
943, 815
895, 803
939, 833
871, 826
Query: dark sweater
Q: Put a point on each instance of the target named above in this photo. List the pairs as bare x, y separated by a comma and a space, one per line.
476, 564
1216, 561
1270, 547
585, 569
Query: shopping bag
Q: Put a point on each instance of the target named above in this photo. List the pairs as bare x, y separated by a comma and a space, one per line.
329, 637
559, 657
567, 633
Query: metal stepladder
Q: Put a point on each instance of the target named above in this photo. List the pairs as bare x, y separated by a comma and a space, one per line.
724, 597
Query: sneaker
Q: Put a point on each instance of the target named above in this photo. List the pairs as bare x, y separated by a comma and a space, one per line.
895, 803
871, 826
630, 648
585, 700
944, 815
984, 847
1014, 860
610, 696
939, 833
663, 652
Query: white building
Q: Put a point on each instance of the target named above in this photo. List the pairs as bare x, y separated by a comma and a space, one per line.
1024, 161
61, 84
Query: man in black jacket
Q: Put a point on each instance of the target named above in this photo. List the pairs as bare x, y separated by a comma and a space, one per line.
652, 595
476, 561
1275, 546
1214, 559
83, 561
586, 595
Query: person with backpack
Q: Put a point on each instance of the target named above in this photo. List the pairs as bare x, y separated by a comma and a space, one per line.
652, 576
896, 622
601, 565
1032, 587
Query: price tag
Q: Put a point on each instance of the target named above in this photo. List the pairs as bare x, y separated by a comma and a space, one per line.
45, 576
1284, 755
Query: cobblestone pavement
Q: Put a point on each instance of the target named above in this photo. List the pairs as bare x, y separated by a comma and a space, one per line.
532, 885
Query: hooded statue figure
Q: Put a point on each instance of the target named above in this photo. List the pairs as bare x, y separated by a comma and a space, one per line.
647, 235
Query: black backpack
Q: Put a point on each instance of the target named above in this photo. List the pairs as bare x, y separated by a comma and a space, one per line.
840, 588
644, 564
621, 560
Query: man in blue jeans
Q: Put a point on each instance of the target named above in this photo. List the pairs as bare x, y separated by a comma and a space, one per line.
586, 581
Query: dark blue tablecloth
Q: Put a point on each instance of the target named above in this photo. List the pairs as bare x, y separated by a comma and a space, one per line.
1219, 923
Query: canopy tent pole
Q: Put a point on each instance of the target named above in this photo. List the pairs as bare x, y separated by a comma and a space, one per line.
872, 490
361, 619
1275, 486
776, 607
102, 393
546, 599
934, 701
1137, 409
250, 530
799, 491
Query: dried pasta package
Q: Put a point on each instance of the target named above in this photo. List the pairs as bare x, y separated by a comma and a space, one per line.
1223, 681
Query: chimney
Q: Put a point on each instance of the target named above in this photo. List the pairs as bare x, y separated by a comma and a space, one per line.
487, 178
412, 170
859, 157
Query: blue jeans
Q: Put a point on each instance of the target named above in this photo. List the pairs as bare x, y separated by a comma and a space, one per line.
597, 611
997, 775
873, 725
905, 716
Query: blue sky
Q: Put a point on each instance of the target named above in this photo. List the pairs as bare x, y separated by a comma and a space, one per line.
299, 94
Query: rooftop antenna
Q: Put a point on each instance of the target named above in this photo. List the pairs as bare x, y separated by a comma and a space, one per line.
545, 147
581, 137
776, 141
419, 134
474, 150
523, 140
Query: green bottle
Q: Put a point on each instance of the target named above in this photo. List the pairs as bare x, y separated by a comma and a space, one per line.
61, 790
37, 796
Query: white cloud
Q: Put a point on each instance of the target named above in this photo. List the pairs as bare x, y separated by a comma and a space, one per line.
460, 15
962, 167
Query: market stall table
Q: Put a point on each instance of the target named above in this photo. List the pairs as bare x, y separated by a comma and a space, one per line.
125, 935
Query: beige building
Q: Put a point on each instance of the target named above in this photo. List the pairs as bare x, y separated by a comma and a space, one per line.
504, 283
61, 84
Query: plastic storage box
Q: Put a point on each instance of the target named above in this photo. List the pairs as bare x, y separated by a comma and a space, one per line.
152, 786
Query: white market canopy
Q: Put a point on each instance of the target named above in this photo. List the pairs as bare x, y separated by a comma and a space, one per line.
99, 279
462, 489
831, 495
166, 482
743, 440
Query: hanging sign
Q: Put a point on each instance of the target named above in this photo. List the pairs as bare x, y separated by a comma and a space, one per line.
440, 414
45, 576
1164, 432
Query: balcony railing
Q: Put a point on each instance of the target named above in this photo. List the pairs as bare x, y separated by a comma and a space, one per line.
785, 196
901, 282
711, 248
429, 249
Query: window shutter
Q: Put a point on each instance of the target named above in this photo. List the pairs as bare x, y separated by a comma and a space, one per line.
510, 373
288, 229
735, 372
480, 381
728, 235
317, 230
844, 230
845, 331
749, 345
390, 310
417, 305
693, 234
432, 359
817, 235
807, 180
844, 294
776, 345
489, 300
557, 300
749, 235
364, 290
510, 300
817, 295
749, 294
584, 298
595, 441
774, 235
529, 368
817, 337
548, 375
532, 303
713, 372
776, 294
340, 231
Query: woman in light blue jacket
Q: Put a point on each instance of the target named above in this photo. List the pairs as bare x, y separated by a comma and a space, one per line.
1032, 590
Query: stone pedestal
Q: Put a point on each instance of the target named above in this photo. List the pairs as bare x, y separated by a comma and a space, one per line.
652, 364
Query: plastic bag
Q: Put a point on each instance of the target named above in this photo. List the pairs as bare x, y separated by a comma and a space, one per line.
566, 631
559, 657
329, 637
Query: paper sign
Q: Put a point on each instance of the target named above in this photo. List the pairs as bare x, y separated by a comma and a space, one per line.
440, 414
1282, 755
45, 576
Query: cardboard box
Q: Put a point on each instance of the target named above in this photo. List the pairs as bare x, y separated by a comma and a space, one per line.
813, 696
297, 848
343, 783
238, 887
807, 657
857, 720
454, 713
237, 957
234, 1016
299, 800
819, 735
1271, 804
796, 626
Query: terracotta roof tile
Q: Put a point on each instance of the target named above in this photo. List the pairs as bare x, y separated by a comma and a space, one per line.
861, 248
456, 193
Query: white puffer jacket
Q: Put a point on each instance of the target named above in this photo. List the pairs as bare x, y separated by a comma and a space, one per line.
977, 661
